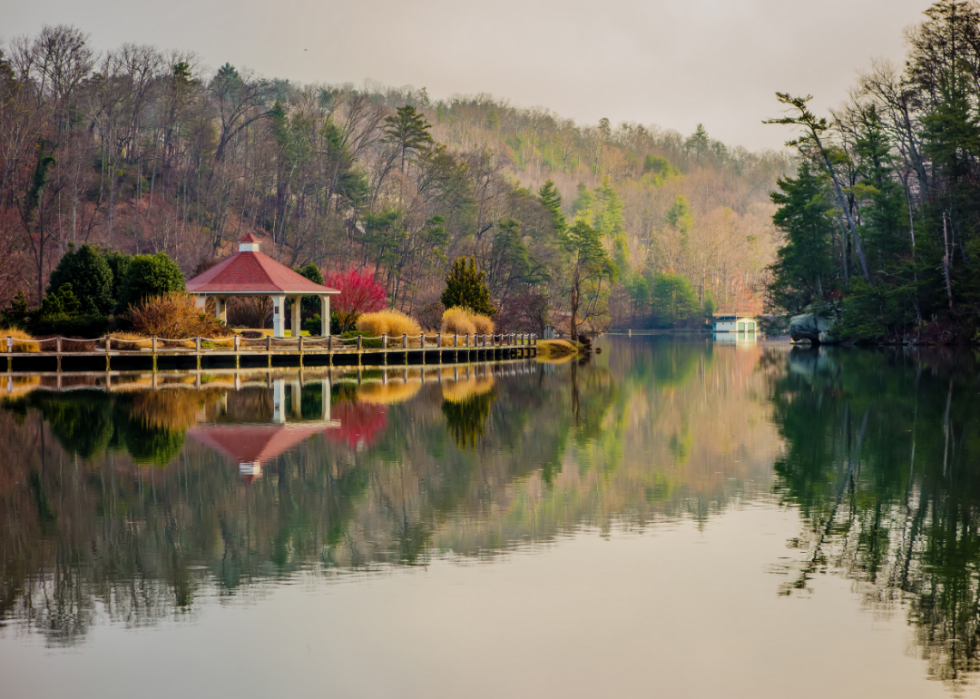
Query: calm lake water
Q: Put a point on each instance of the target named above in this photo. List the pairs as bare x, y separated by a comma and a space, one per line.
672, 518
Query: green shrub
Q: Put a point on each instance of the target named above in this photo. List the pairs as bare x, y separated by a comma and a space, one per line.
118, 262
59, 304
310, 304
61, 314
874, 313
89, 275
15, 315
146, 276
312, 324
83, 326
370, 344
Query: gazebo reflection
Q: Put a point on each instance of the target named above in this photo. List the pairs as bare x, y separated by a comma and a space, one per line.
253, 444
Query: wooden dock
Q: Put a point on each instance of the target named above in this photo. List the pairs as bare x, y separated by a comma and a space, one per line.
106, 354
238, 379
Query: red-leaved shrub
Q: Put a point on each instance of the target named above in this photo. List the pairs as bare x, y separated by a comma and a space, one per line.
359, 294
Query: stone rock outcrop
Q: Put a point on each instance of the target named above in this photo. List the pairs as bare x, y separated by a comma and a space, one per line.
814, 324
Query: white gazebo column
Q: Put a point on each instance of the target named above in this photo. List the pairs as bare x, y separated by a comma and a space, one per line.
296, 392
279, 401
221, 308
295, 306
324, 315
278, 301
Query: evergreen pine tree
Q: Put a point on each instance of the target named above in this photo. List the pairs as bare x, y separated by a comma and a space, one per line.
804, 262
549, 196
465, 287
674, 299
408, 131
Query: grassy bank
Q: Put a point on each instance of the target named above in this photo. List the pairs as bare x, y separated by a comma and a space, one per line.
557, 349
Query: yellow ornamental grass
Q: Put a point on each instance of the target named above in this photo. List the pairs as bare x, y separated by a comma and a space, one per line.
483, 324
388, 393
23, 342
19, 385
458, 320
130, 341
464, 389
388, 322
174, 316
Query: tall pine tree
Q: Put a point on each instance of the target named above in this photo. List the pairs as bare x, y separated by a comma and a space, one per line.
804, 263
466, 287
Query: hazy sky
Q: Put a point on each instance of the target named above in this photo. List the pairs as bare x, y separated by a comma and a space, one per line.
673, 63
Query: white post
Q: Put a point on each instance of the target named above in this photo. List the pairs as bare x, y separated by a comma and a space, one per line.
325, 384
325, 315
295, 303
278, 401
278, 302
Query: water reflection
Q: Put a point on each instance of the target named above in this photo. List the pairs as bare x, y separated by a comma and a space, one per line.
113, 513
881, 460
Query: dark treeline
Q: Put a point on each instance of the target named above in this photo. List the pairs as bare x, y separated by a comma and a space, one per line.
142, 151
884, 213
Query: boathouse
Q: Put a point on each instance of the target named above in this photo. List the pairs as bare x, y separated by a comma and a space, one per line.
733, 323
250, 272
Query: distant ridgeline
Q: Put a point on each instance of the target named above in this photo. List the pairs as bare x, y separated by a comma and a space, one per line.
142, 152
882, 221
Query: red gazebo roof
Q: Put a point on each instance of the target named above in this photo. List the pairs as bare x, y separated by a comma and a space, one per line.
251, 443
251, 271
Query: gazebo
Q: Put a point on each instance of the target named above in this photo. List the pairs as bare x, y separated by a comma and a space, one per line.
249, 272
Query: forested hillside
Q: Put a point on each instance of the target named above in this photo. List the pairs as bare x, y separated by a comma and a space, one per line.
145, 150
882, 221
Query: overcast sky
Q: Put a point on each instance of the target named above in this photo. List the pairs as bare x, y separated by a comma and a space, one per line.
673, 63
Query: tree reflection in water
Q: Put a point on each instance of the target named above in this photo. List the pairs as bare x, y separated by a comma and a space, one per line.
467, 405
883, 460
95, 534
150, 426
